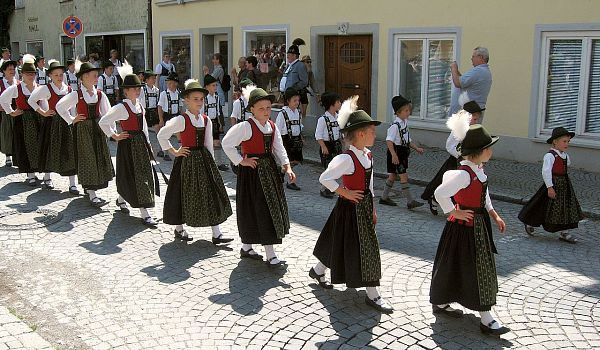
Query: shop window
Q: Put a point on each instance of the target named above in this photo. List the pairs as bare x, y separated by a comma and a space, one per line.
180, 48
35, 48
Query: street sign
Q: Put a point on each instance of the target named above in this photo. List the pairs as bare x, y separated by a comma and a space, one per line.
72, 26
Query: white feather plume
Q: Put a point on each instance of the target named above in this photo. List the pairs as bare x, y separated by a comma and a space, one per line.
77, 65
348, 107
247, 90
28, 58
52, 61
189, 81
459, 124
125, 69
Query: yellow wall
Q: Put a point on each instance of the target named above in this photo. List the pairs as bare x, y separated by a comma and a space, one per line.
505, 27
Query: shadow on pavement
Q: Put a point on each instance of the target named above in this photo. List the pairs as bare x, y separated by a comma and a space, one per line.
121, 228
449, 333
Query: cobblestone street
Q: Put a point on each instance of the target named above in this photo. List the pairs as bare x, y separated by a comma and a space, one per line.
84, 278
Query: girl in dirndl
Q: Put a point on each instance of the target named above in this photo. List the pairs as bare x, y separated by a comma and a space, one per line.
554, 206
26, 122
135, 178
92, 157
289, 123
56, 137
8, 69
464, 269
348, 243
196, 195
262, 214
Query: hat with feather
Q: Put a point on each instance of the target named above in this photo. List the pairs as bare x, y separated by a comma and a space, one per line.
351, 118
130, 80
472, 138
192, 85
28, 64
84, 67
54, 64
7, 63
254, 94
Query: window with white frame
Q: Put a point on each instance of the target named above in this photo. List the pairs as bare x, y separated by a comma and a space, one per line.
570, 83
180, 48
422, 72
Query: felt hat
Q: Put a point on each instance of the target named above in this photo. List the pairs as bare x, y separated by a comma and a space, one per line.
328, 99
107, 63
294, 49
173, 77
209, 79
86, 67
131, 81
245, 82
298, 42
472, 107
258, 94
289, 93
149, 73
559, 132
28, 64
350, 118
476, 139
55, 65
39, 58
70, 61
5, 65
192, 85
398, 102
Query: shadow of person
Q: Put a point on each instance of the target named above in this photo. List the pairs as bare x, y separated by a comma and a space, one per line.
178, 257
452, 333
12, 189
351, 319
120, 229
249, 281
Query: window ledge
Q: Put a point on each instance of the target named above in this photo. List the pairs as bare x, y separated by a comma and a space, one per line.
173, 2
433, 125
577, 141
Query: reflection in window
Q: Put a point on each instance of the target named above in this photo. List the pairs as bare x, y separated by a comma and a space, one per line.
35, 48
270, 49
180, 49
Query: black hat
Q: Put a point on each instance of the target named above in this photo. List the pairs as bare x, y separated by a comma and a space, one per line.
86, 67
149, 73
289, 93
70, 61
298, 42
4, 49
472, 107
55, 65
39, 58
131, 81
209, 79
107, 63
559, 132
257, 95
173, 77
5, 65
398, 102
476, 139
294, 49
358, 119
192, 85
328, 99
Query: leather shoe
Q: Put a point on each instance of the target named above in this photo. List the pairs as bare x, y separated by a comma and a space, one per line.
324, 284
219, 240
280, 263
223, 167
444, 310
246, 254
326, 194
150, 222
387, 201
292, 186
432, 207
414, 204
178, 235
493, 331
73, 190
381, 308
122, 207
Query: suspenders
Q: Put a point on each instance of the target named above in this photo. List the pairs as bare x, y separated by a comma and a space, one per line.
330, 125
289, 123
106, 87
171, 103
147, 96
403, 132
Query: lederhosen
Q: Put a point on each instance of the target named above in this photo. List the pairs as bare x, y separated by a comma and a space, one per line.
402, 151
196, 195
39, 79
135, 179
151, 113
559, 214
293, 144
56, 145
112, 98
170, 112
6, 124
333, 146
243, 118
72, 82
262, 214
216, 124
94, 165
348, 243
164, 73
464, 269
25, 134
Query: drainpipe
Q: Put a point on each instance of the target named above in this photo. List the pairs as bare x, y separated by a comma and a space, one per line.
149, 34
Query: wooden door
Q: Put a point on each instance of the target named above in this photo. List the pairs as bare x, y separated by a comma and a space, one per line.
348, 67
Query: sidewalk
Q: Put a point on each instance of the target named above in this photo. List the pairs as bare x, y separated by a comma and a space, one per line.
509, 180
16, 334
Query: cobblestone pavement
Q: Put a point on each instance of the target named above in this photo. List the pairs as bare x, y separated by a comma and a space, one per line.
16, 334
97, 279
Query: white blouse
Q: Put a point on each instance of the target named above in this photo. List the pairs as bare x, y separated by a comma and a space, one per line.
236, 110
152, 102
342, 164
163, 101
42, 94
177, 124
118, 112
451, 144
13, 92
549, 163
67, 106
454, 181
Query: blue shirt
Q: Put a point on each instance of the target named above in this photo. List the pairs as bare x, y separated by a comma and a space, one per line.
477, 82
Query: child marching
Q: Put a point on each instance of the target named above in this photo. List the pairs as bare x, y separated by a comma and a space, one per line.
240, 111
8, 69
399, 144
262, 214
149, 100
135, 178
196, 195
327, 133
70, 76
94, 166
214, 110
554, 206
464, 269
169, 104
348, 244
108, 83
289, 123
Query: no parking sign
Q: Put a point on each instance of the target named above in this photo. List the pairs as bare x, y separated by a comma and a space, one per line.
72, 26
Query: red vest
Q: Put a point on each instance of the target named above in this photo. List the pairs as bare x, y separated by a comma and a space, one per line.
256, 143
4, 86
54, 97
22, 99
358, 179
135, 120
559, 168
82, 106
472, 196
188, 135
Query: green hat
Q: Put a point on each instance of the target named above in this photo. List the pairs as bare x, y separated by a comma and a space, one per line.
149, 73
86, 67
358, 119
5, 65
55, 65
131, 81
193, 85
476, 139
70, 61
559, 132
209, 79
257, 95
245, 82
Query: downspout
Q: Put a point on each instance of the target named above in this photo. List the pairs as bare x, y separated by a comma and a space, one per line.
149, 33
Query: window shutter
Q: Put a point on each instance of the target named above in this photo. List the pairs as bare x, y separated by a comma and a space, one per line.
592, 120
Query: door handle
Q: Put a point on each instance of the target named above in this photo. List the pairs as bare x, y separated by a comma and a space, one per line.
351, 86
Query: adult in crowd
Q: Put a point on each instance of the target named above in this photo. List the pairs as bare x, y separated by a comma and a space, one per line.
217, 73
237, 75
295, 75
254, 73
5, 58
94, 59
311, 88
163, 70
475, 84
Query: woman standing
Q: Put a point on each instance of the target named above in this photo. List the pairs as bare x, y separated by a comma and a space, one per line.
8, 68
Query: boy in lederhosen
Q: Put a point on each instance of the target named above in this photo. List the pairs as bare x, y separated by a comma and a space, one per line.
327, 133
41, 77
214, 110
240, 111
289, 122
108, 83
169, 104
70, 77
149, 100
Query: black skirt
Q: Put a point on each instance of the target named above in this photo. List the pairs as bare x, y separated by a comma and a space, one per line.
450, 164
152, 117
293, 147
403, 153
6, 134
44, 137
20, 150
135, 179
57, 152
94, 164
348, 244
215, 128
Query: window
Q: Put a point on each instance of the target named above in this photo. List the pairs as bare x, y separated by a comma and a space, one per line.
35, 48
179, 46
19, 4
268, 45
570, 83
66, 45
129, 46
422, 72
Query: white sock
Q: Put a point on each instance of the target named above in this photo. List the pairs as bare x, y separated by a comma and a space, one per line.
216, 231
270, 253
144, 213
372, 292
92, 194
487, 318
30, 175
9, 158
247, 247
406, 192
320, 268
72, 181
446, 306
46, 176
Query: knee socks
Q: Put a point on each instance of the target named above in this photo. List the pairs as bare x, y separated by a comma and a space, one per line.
387, 188
72, 181
406, 192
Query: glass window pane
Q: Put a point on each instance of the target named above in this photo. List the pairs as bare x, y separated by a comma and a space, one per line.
439, 79
592, 122
180, 49
411, 69
35, 48
562, 90
94, 45
134, 51
270, 50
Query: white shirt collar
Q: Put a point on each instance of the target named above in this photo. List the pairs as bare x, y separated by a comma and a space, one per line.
334, 116
477, 169
93, 92
561, 154
192, 115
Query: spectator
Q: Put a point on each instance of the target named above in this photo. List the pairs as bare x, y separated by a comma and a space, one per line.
295, 75
94, 59
163, 70
310, 88
253, 73
238, 76
475, 84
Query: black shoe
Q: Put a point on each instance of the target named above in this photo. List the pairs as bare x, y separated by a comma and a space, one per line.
122, 207
444, 310
32, 181
178, 235
529, 230
9, 163
432, 207
98, 202
246, 254
324, 284
223, 167
280, 263
292, 186
381, 308
166, 157
219, 240
160, 154
111, 139
150, 222
491, 331
387, 201
73, 190
326, 194
47, 184
414, 204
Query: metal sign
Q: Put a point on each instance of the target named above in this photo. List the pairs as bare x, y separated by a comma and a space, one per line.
72, 26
